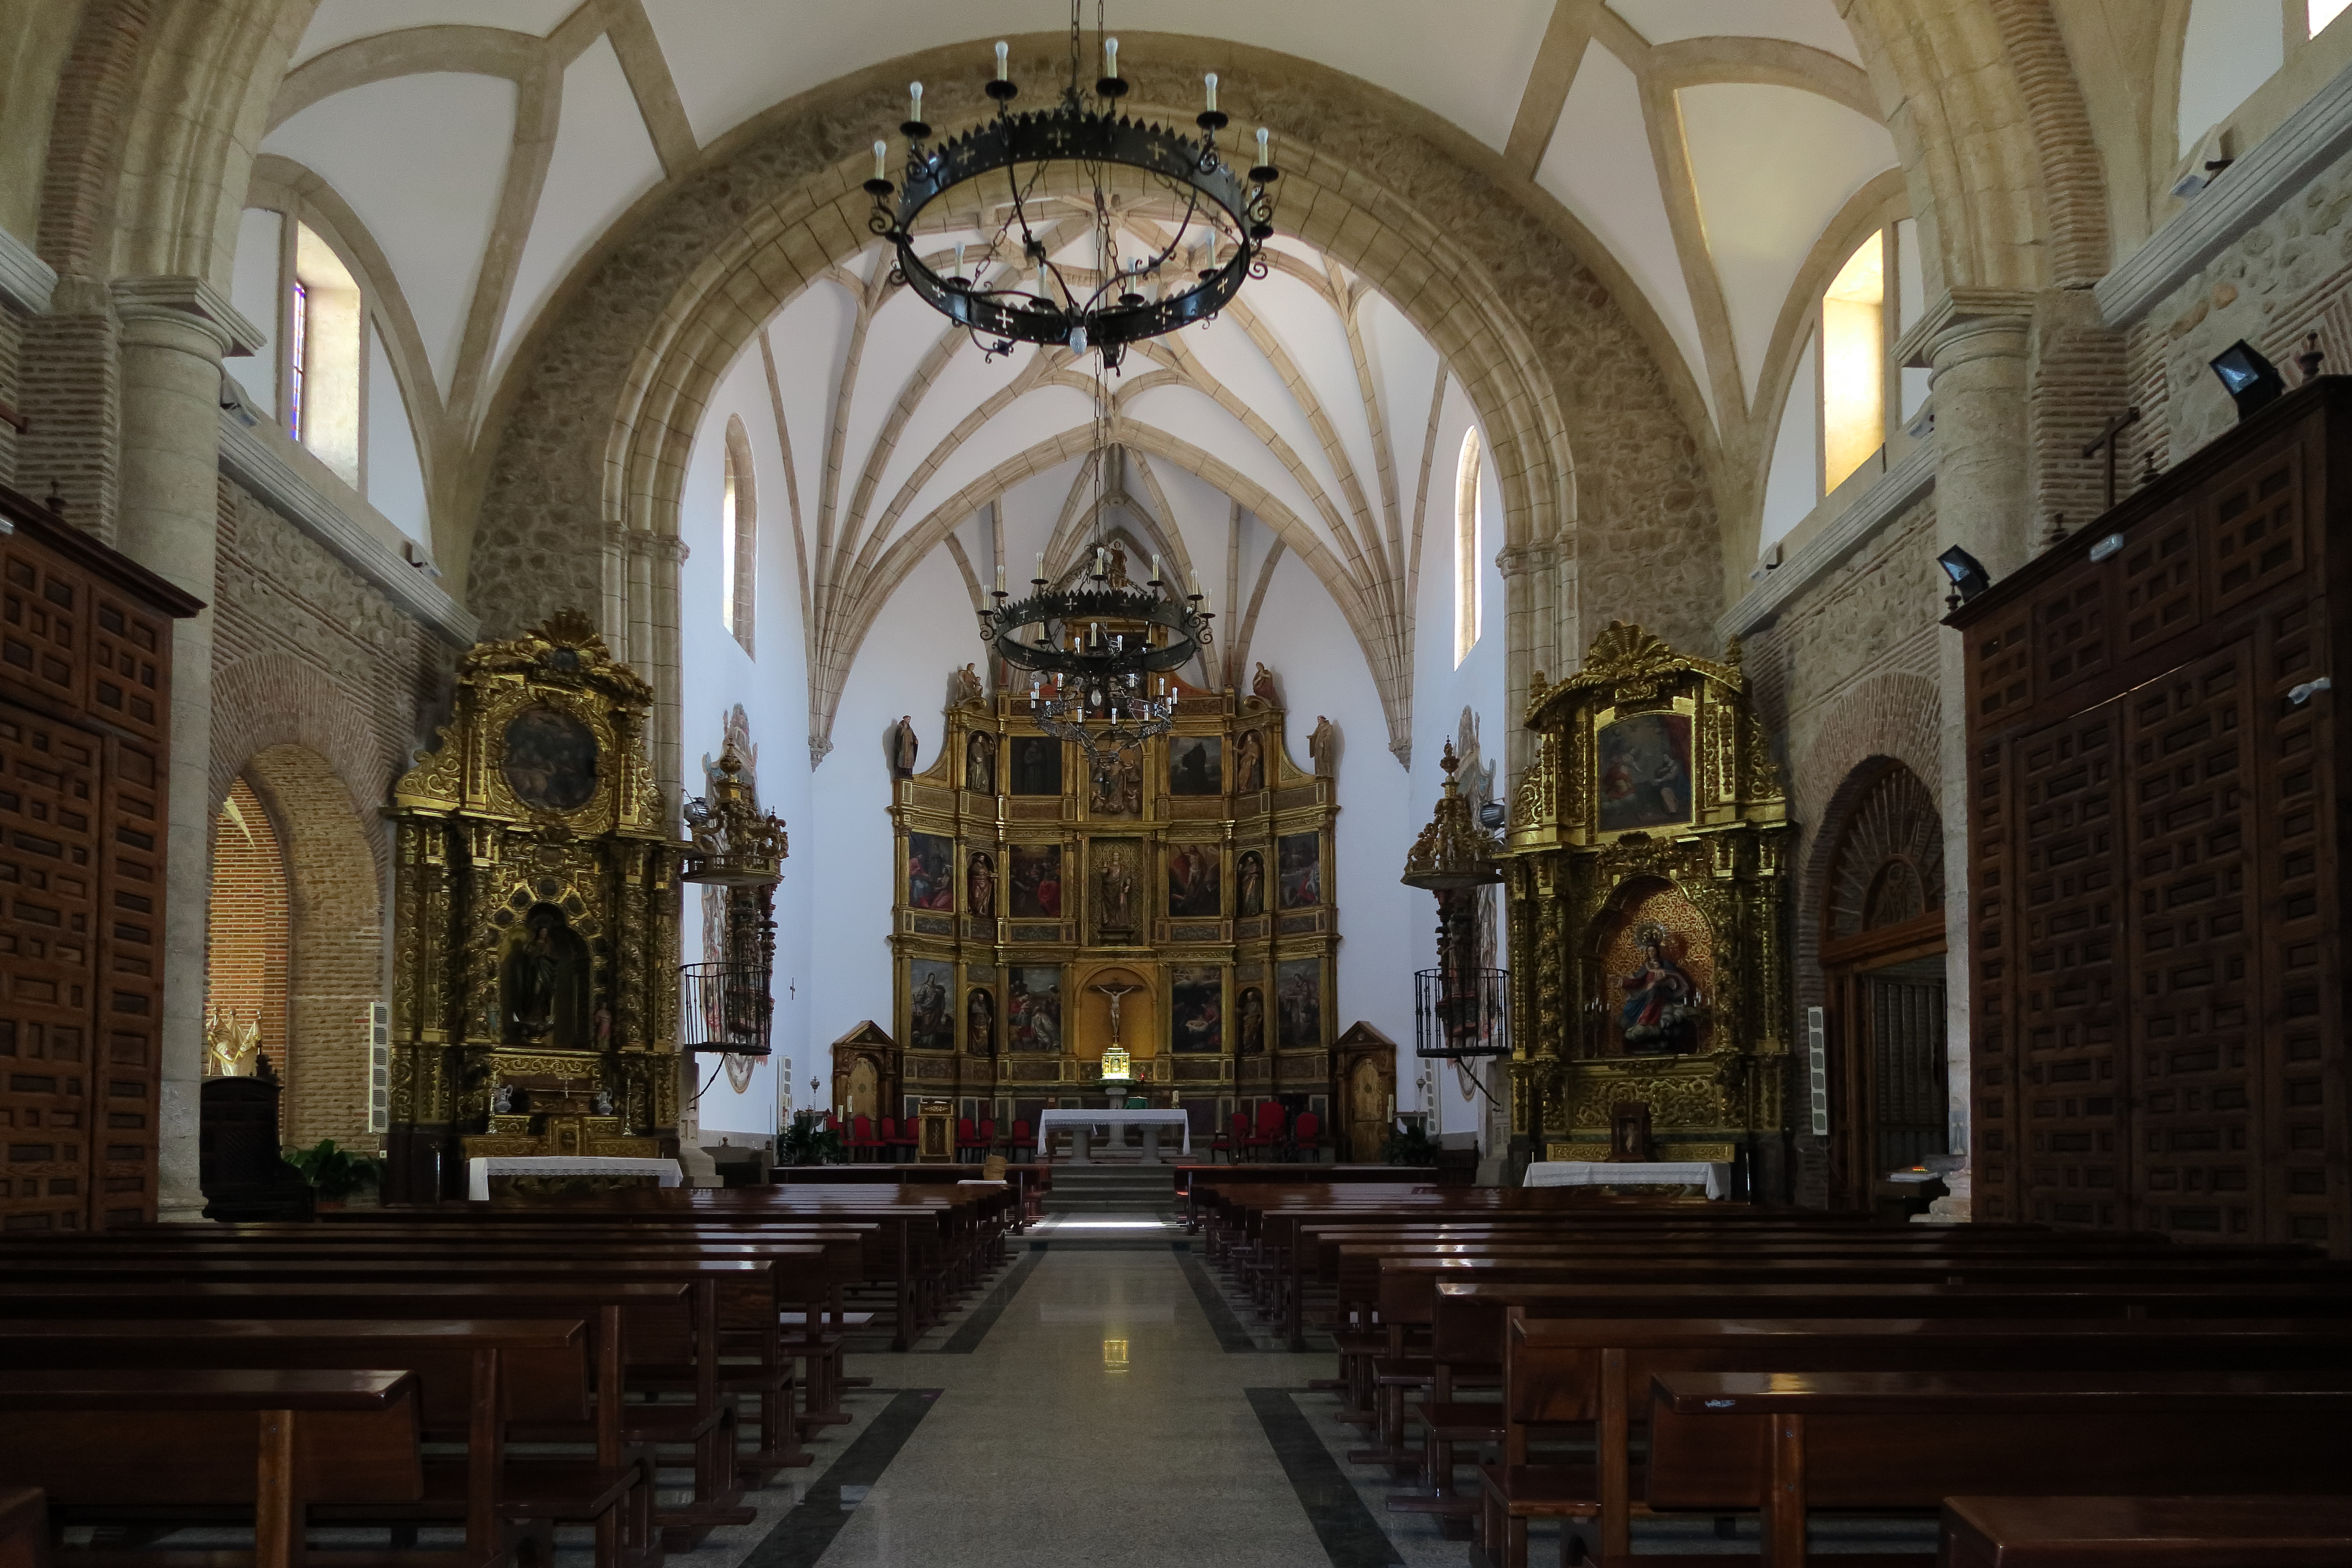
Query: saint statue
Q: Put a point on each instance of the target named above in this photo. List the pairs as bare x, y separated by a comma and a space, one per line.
968, 687
903, 745
980, 764
980, 885
1249, 763
1659, 1014
980, 1023
1262, 687
1118, 894
1253, 1018
1323, 745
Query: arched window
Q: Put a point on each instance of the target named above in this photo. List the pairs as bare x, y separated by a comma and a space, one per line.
1853, 362
1467, 599
738, 534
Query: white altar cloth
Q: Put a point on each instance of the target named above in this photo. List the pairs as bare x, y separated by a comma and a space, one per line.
1715, 1175
1081, 1120
479, 1171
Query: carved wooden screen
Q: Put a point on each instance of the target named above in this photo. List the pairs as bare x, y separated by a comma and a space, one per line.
2156, 1008
84, 702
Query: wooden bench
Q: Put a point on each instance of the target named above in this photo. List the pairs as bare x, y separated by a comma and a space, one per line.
2146, 1532
282, 1441
1785, 1443
24, 1528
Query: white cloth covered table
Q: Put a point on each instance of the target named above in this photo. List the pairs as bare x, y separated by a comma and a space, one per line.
478, 1172
1714, 1174
1082, 1121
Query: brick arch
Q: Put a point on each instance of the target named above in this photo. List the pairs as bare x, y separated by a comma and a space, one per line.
335, 923
275, 700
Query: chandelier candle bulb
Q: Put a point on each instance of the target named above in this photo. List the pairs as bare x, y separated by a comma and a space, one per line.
1110, 58
881, 160
1262, 133
1156, 573
1211, 81
914, 100
1041, 567
999, 577
1003, 50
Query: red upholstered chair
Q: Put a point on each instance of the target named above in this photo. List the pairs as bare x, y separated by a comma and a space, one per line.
862, 1141
987, 1136
967, 1139
1268, 1132
1236, 1132
1020, 1140
1306, 1136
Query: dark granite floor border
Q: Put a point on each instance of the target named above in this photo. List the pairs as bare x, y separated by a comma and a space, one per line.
1233, 1336
802, 1535
974, 1328
1352, 1537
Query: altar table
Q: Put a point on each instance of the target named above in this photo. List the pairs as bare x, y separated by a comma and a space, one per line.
478, 1172
1081, 1122
1713, 1174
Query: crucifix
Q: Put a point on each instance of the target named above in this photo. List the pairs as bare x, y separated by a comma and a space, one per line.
2107, 437
1114, 993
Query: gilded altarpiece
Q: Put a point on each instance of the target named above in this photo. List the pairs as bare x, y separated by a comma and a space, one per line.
536, 938
1183, 893
1646, 895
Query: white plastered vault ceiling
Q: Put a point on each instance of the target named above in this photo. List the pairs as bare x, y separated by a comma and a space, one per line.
468, 155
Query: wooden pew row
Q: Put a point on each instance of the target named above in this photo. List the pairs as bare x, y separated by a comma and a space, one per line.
276, 1442
1590, 1375
1030, 1183
24, 1528
2267, 1532
473, 1378
1786, 1443
601, 1305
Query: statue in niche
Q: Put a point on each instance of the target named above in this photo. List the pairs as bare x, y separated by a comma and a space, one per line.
968, 687
1253, 1021
1118, 884
980, 885
980, 1023
903, 746
1118, 786
1249, 762
544, 984
980, 764
1661, 1011
1249, 895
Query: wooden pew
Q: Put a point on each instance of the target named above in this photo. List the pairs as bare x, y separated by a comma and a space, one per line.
1786, 1443
1592, 1374
2147, 1532
463, 1392
284, 1441
24, 1528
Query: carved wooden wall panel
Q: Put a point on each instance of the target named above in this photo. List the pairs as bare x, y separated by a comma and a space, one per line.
2158, 1006
85, 690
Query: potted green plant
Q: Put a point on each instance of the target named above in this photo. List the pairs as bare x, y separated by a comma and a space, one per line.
1409, 1145
809, 1142
334, 1173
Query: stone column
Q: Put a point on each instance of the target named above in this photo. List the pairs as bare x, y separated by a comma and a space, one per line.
1974, 344
173, 333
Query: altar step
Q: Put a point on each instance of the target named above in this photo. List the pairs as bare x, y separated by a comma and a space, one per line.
1112, 1189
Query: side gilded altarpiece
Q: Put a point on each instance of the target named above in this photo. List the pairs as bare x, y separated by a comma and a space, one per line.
1646, 895
1176, 901
536, 942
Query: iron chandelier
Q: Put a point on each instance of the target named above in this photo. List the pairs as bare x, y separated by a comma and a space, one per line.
1121, 302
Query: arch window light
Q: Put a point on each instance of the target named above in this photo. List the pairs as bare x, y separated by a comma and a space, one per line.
1468, 591
1847, 396
290, 280
738, 534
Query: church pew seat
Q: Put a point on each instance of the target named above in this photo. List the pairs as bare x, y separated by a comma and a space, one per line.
2270, 1531
24, 1528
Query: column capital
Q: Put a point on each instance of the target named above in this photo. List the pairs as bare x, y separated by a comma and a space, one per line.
1514, 559
1959, 313
190, 303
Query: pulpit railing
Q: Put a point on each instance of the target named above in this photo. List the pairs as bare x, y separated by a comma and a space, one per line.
728, 1008
1461, 1012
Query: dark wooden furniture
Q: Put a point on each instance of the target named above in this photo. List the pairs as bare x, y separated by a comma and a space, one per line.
2153, 806
24, 1528
2146, 1532
238, 1167
85, 731
283, 1439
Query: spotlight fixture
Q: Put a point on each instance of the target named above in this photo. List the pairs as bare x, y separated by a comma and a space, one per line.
2252, 381
1967, 572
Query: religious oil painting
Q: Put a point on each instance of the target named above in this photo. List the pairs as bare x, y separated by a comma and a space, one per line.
1251, 1009
550, 759
931, 876
1298, 864
1645, 771
1196, 1000
1036, 882
1195, 881
1249, 884
1033, 1008
980, 763
1036, 764
1298, 1004
1196, 764
931, 1005
1660, 970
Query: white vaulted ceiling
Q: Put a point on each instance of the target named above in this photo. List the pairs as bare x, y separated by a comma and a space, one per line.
485, 146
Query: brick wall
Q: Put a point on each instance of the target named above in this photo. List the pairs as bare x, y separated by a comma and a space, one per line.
245, 951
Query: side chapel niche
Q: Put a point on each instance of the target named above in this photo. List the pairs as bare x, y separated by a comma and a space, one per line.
535, 995
1647, 884
1179, 897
